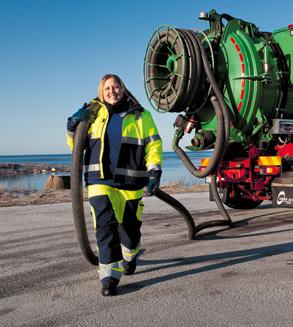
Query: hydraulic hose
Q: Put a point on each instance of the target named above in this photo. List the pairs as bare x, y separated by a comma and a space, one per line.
213, 223
218, 200
77, 193
223, 120
216, 90
181, 209
227, 219
218, 151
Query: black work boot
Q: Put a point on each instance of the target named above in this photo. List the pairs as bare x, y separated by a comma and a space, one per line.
109, 286
129, 267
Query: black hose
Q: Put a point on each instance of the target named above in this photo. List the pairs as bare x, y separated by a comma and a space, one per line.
80, 137
223, 118
196, 68
226, 114
214, 223
216, 90
218, 200
217, 153
181, 209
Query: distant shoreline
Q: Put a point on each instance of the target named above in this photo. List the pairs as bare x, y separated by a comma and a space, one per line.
13, 169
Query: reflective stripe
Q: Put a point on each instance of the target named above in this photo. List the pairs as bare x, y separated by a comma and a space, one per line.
156, 167
114, 269
94, 167
130, 172
269, 161
132, 140
137, 141
152, 138
129, 254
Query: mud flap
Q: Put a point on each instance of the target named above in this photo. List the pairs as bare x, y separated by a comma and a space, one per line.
282, 191
282, 196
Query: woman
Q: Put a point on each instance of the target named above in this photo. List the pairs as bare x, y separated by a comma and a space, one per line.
123, 154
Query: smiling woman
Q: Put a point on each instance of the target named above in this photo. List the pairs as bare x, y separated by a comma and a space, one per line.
123, 154
111, 89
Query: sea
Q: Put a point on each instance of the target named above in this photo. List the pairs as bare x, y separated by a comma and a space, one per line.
174, 170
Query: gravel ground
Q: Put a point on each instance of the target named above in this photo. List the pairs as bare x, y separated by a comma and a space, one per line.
240, 276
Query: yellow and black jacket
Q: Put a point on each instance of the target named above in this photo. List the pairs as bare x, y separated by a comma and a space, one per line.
140, 151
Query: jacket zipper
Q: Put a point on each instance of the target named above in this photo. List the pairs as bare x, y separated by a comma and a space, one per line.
104, 122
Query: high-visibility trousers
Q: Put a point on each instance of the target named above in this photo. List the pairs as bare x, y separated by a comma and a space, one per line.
117, 220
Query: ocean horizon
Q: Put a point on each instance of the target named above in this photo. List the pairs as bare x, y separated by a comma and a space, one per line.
173, 169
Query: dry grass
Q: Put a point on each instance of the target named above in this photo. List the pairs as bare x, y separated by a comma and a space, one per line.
181, 188
22, 198
9, 199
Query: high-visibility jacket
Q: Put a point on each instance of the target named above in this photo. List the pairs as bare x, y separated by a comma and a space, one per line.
140, 151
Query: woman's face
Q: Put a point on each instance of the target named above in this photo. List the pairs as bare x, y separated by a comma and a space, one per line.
112, 91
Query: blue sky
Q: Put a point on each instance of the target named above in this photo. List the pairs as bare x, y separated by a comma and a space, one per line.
53, 53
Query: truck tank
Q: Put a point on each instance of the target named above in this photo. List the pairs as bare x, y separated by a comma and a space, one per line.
233, 85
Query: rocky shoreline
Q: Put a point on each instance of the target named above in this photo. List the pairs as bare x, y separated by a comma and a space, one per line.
13, 169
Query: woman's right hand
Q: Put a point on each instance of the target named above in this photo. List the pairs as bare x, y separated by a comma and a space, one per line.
83, 114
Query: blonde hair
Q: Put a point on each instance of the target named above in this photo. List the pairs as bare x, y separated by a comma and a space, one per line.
119, 81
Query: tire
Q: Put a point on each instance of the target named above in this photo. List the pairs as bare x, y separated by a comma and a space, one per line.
240, 203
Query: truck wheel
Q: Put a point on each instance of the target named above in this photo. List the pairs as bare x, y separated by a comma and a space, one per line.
240, 203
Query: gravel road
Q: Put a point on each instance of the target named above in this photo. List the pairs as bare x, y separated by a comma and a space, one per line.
241, 276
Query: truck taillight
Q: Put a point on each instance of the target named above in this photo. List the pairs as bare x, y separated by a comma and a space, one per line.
273, 170
269, 165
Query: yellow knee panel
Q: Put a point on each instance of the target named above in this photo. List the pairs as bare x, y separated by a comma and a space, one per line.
117, 198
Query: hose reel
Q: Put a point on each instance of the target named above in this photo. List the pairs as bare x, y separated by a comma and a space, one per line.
173, 71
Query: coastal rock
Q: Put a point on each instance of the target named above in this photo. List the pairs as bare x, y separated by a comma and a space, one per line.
13, 169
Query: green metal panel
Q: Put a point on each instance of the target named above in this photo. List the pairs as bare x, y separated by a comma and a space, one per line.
284, 37
248, 72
